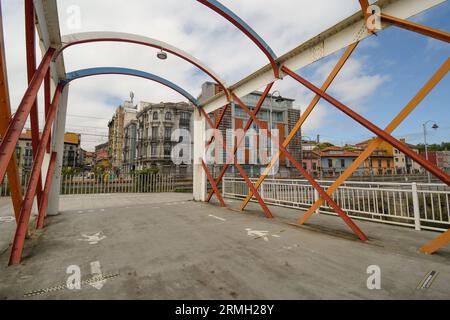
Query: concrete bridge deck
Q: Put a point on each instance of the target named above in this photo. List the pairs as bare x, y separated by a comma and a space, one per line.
164, 246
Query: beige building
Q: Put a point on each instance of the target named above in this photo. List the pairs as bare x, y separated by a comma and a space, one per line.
72, 152
122, 116
403, 163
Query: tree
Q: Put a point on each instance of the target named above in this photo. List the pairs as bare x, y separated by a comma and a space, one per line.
324, 145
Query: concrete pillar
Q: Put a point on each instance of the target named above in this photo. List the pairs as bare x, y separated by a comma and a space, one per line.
199, 175
59, 128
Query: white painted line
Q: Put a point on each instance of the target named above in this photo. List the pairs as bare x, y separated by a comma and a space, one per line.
97, 276
80, 211
216, 217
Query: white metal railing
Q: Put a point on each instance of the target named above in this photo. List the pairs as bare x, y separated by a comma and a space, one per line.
107, 183
422, 206
123, 183
4, 186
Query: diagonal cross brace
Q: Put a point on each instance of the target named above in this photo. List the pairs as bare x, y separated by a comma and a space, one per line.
303, 118
241, 171
27, 205
311, 180
373, 128
246, 128
426, 89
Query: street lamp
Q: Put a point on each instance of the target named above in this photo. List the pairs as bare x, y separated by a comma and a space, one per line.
434, 126
278, 99
162, 55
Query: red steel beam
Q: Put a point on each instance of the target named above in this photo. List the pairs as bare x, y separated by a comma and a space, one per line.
266, 210
47, 101
370, 126
8, 144
47, 186
305, 173
245, 30
30, 36
246, 128
213, 184
22, 226
214, 125
5, 118
306, 113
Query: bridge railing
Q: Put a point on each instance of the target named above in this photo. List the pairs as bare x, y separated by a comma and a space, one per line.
123, 183
107, 183
422, 206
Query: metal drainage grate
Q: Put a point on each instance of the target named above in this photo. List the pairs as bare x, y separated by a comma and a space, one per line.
63, 286
427, 281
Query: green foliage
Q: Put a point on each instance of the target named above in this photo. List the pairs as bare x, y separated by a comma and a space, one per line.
324, 145
444, 146
69, 171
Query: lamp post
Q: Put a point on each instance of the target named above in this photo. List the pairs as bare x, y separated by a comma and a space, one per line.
434, 126
278, 98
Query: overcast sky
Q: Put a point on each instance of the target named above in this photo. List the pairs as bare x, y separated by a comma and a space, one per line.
382, 76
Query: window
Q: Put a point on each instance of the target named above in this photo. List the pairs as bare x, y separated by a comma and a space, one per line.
168, 116
304, 165
388, 163
240, 113
184, 116
155, 115
379, 164
167, 149
17, 153
167, 133
342, 163
154, 149
314, 166
277, 116
330, 163
155, 133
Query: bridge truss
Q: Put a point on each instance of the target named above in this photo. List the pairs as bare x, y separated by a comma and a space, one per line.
51, 73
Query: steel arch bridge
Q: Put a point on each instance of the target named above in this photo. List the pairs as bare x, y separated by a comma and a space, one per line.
48, 147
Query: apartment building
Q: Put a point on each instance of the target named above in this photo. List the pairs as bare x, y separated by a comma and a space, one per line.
130, 146
101, 160
334, 160
155, 124
390, 160
72, 151
116, 126
276, 112
439, 158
